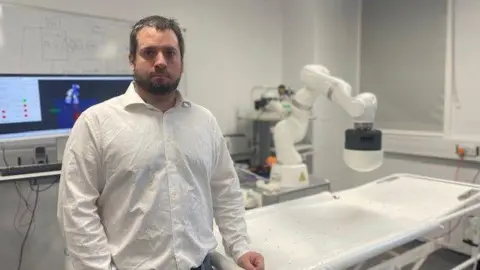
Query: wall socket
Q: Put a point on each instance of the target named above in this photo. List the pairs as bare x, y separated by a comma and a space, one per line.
467, 150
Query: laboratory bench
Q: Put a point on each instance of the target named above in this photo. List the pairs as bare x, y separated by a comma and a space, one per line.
316, 185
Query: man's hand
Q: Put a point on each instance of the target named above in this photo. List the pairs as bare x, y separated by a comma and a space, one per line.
251, 261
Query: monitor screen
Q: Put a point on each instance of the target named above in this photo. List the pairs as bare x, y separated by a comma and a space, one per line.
47, 106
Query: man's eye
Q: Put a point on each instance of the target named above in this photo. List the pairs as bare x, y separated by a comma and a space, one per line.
149, 53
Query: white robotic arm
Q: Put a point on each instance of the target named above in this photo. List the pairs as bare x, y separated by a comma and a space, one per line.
362, 144
317, 80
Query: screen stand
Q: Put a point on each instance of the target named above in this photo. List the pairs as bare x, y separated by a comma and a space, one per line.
61, 142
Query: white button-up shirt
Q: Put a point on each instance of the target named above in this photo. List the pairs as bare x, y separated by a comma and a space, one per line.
140, 189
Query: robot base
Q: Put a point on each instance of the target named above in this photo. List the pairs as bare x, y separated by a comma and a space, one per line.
287, 176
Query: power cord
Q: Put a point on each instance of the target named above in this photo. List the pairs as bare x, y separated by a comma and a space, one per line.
20, 195
459, 221
4, 155
35, 187
18, 223
41, 190
474, 179
28, 207
35, 204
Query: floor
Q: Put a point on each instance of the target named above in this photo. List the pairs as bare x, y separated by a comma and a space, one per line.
442, 259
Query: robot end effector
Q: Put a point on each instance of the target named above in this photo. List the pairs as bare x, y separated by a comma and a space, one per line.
363, 144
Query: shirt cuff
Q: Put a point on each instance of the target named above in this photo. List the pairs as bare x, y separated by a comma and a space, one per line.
239, 249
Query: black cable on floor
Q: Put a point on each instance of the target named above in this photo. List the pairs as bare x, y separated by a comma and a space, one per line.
20, 259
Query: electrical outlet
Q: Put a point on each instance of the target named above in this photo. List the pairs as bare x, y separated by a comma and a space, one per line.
463, 150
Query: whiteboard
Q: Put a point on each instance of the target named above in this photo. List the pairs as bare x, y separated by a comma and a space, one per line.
46, 41
41, 41
465, 109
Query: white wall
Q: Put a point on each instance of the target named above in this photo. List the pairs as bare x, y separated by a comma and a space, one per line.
298, 26
324, 32
230, 46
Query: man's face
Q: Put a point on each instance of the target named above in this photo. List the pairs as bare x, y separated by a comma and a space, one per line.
157, 66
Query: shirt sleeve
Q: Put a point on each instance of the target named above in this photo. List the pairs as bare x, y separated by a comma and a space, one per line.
77, 211
228, 204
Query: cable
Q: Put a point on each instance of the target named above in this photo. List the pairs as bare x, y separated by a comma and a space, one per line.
41, 190
20, 259
451, 229
459, 166
21, 195
461, 218
4, 155
28, 208
474, 179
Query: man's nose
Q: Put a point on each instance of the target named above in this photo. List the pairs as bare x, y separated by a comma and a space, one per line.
160, 61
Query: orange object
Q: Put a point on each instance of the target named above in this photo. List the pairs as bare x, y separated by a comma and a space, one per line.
270, 161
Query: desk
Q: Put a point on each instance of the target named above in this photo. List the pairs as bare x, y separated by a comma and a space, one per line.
29, 176
317, 185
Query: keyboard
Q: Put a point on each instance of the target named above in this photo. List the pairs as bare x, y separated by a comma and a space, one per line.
28, 169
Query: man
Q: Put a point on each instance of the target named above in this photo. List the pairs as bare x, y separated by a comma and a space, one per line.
145, 173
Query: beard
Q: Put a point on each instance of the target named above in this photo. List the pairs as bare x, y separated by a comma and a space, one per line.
145, 82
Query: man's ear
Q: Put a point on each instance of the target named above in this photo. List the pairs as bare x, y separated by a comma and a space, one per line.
131, 59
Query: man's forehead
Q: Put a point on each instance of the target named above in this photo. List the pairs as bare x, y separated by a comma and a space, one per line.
149, 36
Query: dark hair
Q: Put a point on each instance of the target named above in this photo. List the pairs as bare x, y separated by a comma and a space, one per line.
160, 23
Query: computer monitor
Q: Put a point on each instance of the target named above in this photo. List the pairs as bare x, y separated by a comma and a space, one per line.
43, 106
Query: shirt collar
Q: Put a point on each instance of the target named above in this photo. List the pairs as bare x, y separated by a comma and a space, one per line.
131, 98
